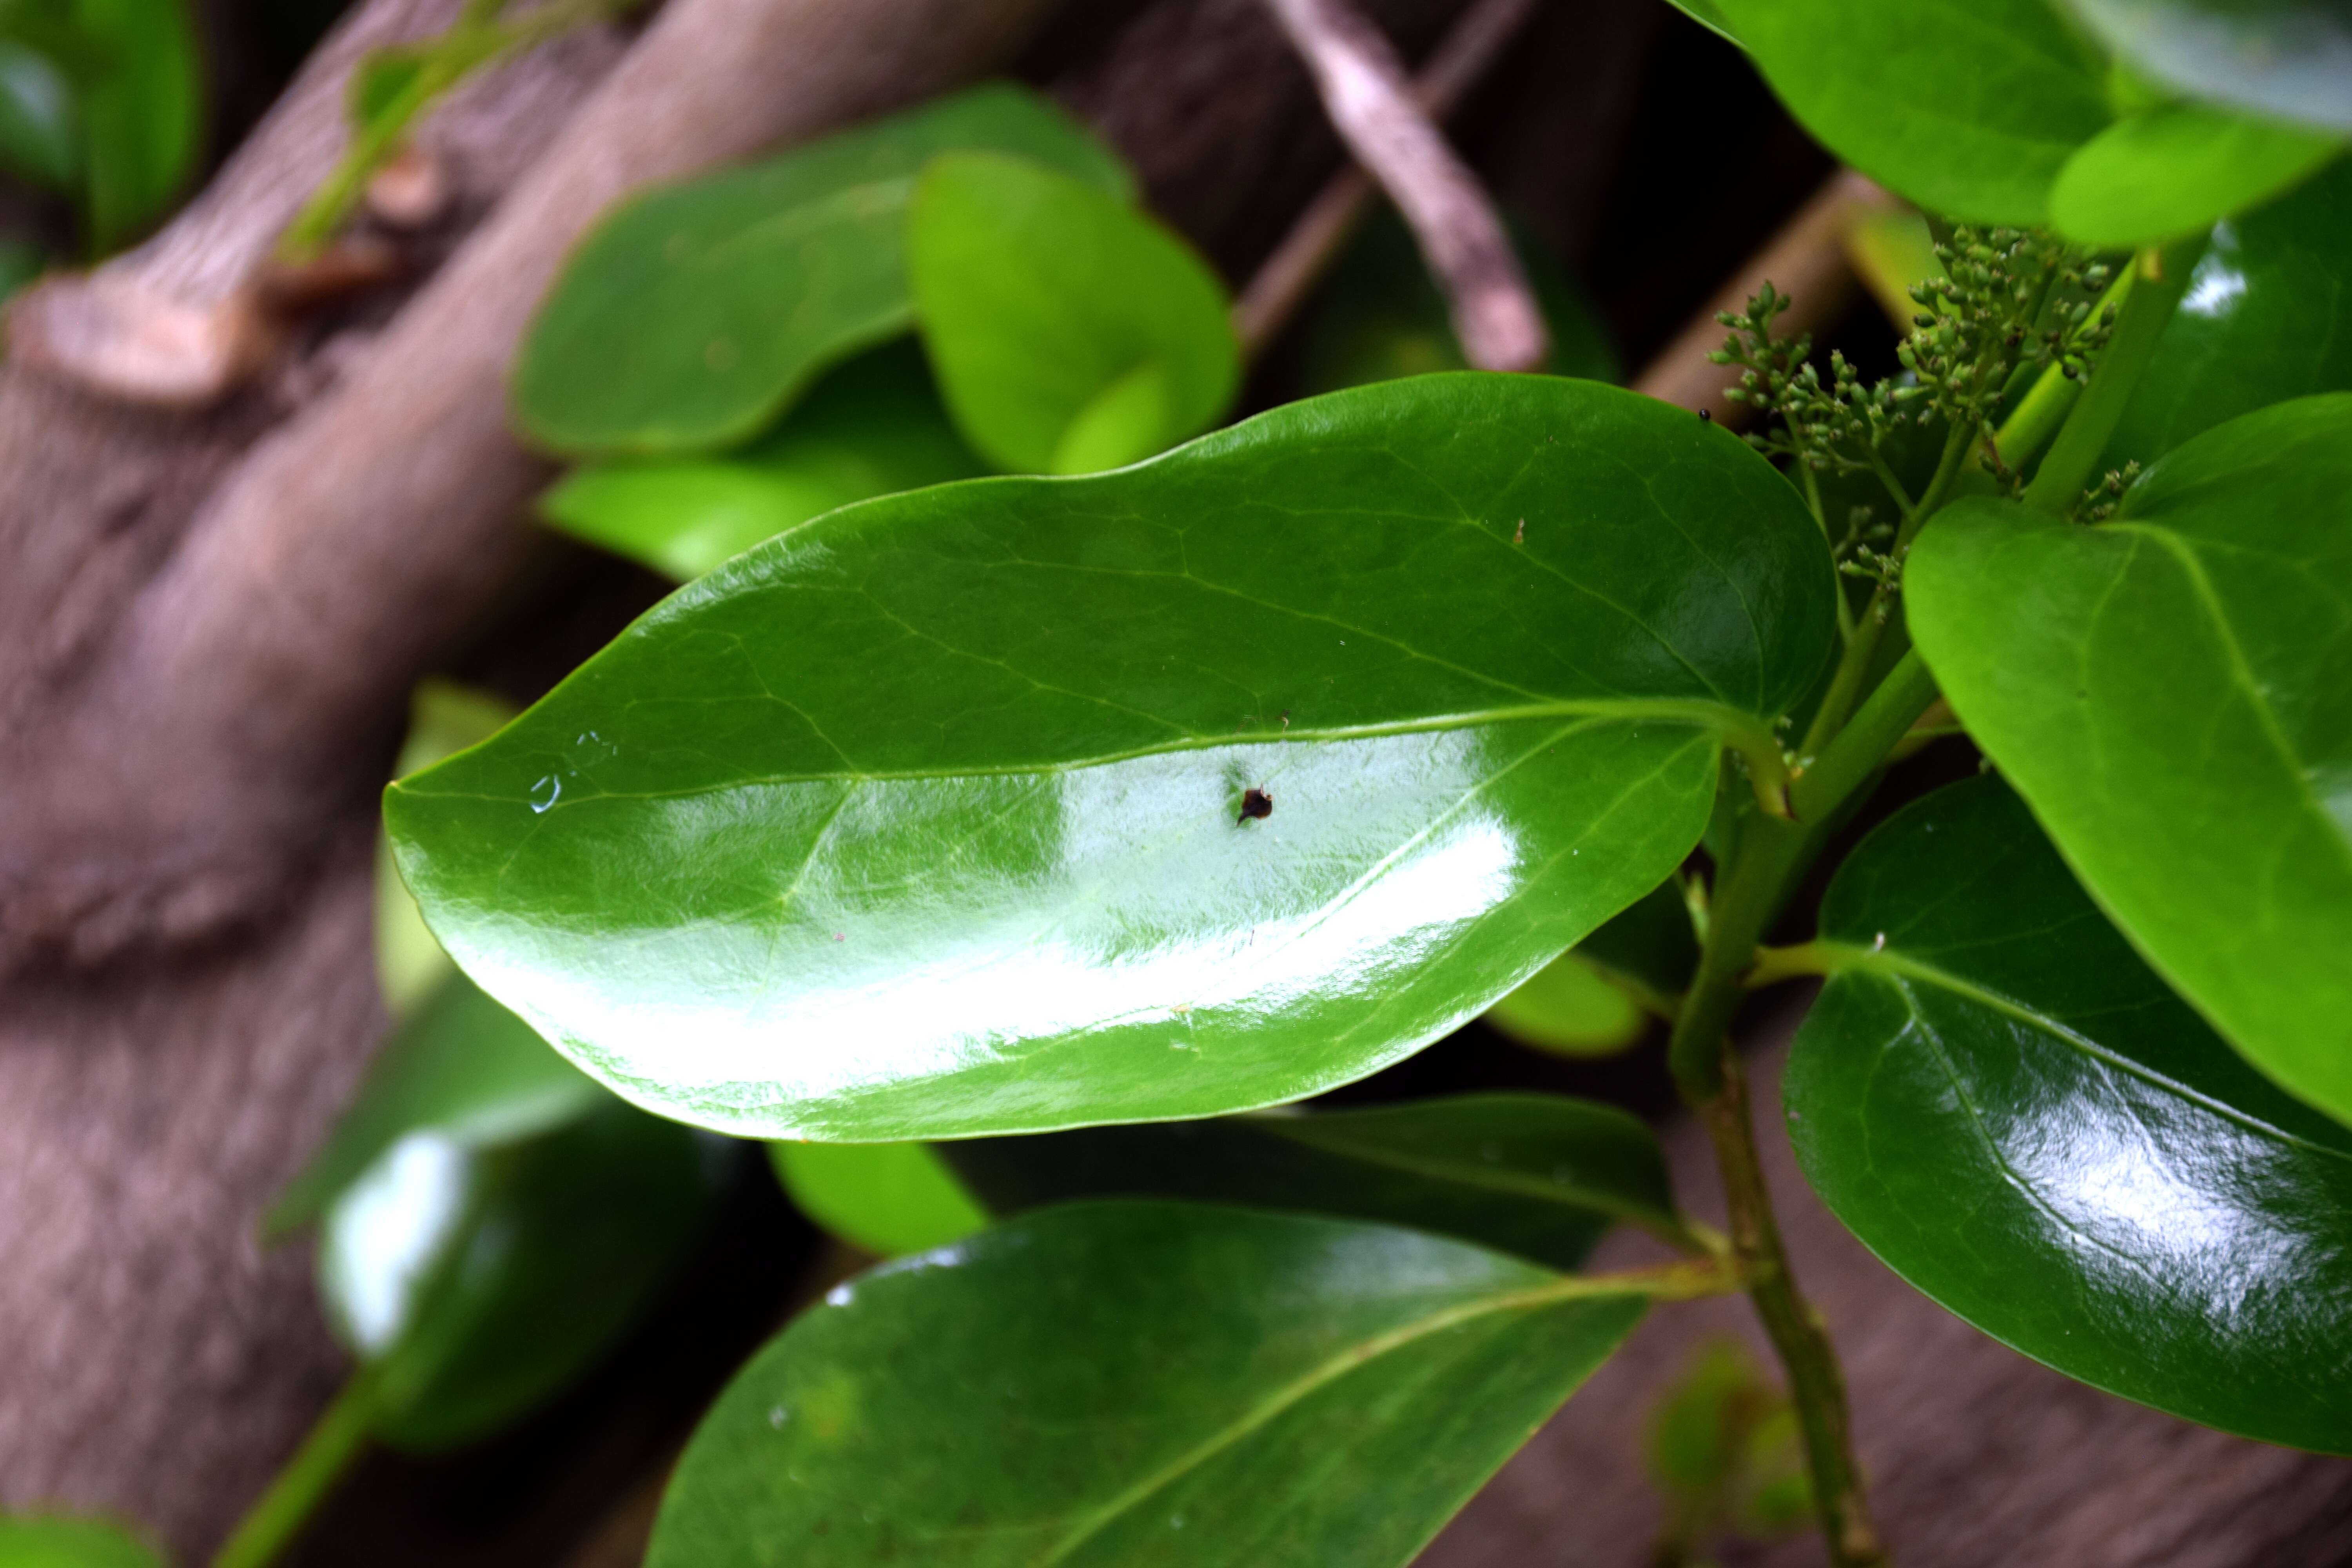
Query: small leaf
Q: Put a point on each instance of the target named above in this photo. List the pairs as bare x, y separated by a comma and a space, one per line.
694, 315
887, 1198
2006, 1106
2172, 693
1380, 317
1137, 1384
40, 128
1708, 13
872, 427
53, 1540
2268, 316
475, 1283
142, 110
1892, 250
464, 1069
1571, 1008
380, 80
1650, 946
1969, 108
2286, 57
1538, 1176
946, 790
1070, 332
2174, 169
444, 720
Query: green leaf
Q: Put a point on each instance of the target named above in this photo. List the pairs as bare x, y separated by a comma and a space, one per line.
1070, 333
1571, 1008
444, 720
872, 427
1598, 998
41, 125
55, 1541
1708, 13
1970, 108
382, 79
1538, 1176
888, 1198
1138, 1384
2268, 316
142, 110
693, 316
464, 1069
475, 1283
2172, 693
1379, 316
2174, 169
926, 820
2287, 57
2085, 1172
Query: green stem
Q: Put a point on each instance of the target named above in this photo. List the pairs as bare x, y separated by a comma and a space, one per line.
1957, 444
1816, 1384
325, 1454
2148, 309
1861, 748
474, 40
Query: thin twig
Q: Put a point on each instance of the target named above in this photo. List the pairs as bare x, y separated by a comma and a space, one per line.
1806, 260
1331, 219
1374, 108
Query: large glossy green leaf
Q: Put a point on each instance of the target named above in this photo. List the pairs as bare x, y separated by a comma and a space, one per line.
1538, 1176
2003, 1102
142, 110
475, 1283
53, 1540
1071, 333
464, 1069
888, 1198
1379, 316
2174, 169
2172, 693
2268, 316
870, 427
693, 316
1136, 1385
2291, 57
1967, 107
932, 817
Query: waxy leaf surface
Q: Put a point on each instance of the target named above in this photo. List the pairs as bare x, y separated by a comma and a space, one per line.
475, 1283
870, 427
2005, 1104
40, 123
1071, 333
444, 719
2174, 169
2290, 57
888, 1198
1538, 1176
1137, 1384
2268, 316
691, 317
2172, 693
1967, 107
1571, 1008
928, 820
462, 1068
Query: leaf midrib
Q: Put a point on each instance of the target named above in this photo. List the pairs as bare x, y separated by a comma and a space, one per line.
1725, 721
1356, 1357
1847, 956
